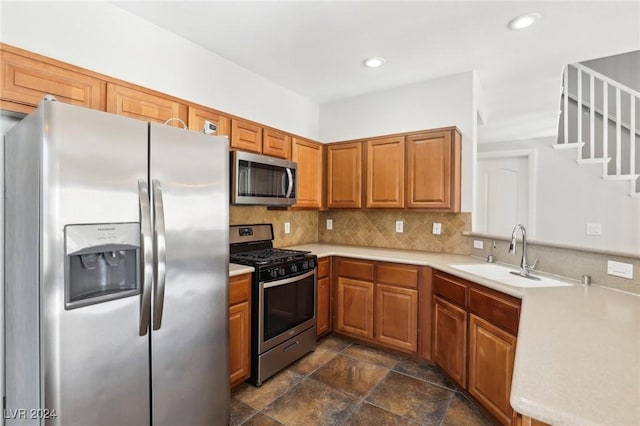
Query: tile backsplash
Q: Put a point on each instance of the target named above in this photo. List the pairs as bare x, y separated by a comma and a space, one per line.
376, 228
304, 223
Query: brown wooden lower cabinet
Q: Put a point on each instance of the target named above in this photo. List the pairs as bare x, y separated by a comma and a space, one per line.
323, 298
355, 307
491, 355
397, 317
520, 420
239, 328
450, 339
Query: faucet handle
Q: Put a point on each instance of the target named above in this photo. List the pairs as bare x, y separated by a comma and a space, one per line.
532, 267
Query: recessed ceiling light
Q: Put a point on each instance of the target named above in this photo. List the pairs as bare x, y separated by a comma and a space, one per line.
374, 62
523, 21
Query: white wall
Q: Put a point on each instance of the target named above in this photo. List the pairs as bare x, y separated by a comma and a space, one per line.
104, 38
569, 196
447, 101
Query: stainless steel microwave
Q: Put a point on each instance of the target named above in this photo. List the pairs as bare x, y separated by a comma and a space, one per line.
262, 180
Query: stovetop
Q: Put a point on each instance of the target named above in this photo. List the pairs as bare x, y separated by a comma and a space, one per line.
268, 256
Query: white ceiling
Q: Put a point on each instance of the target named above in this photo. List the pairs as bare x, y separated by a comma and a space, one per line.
316, 48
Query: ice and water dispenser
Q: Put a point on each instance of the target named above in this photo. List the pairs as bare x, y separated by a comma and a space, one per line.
101, 263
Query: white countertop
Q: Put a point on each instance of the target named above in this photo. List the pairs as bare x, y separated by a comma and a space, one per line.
235, 269
578, 357
578, 351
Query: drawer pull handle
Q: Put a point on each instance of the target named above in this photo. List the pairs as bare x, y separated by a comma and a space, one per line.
291, 346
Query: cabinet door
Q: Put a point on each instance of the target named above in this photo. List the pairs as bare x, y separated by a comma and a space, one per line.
491, 356
276, 144
344, 176
397, 317
25, 81
134, 103
246, 136
308, 155
239, 328
323, 306
431, 172
450, 339
198, 115
355, 307
239, 322
385, 173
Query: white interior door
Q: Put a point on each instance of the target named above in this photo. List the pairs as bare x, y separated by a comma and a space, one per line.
503, 193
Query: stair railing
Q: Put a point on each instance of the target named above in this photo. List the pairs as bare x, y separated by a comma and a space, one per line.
608, 116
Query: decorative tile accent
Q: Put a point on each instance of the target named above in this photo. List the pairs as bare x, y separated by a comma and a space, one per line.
376, 228
304, 223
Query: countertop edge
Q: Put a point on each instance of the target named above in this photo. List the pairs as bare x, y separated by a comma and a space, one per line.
235, 269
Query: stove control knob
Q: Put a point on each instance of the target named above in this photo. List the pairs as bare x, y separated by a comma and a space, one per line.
294, 268
312, 264
305, 265
273, 273
281, 272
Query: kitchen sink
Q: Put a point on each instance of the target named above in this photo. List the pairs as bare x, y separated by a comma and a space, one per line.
503, 275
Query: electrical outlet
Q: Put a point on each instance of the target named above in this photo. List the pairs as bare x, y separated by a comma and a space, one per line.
620, 269
329, 224
478, 244
399, 226
437, 228
594, 229
287, 228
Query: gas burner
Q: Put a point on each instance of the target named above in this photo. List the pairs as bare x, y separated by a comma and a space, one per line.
267, 256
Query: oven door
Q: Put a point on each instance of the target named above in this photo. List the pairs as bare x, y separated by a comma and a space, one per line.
286, 307
262, 180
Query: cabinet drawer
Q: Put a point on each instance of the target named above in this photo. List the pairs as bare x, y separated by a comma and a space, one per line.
450, 288
355, 269
497, 310
239, 289
323, 267
403, 275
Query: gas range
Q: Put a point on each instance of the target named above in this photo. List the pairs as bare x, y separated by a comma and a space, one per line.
253, 245
283, 299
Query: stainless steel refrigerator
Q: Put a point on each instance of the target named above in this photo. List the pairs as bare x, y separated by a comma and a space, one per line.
116, 245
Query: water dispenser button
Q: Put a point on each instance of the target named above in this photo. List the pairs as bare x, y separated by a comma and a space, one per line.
89, 261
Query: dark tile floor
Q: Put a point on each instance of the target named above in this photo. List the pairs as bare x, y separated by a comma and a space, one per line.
344, 383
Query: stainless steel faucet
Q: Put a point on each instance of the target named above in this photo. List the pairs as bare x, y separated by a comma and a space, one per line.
524, 267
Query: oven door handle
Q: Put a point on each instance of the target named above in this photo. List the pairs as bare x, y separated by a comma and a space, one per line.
289, 280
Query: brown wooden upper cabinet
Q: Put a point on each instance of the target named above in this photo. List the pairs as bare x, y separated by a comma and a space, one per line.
145, 106
309, 156
344, 175
385, 173
433, 170
246, 136
276, 144
198, 116
26, 80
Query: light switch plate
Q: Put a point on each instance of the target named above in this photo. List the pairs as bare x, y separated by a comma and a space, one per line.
620, 269
478, 244
329, 224
437, 228
399, 226
287, 228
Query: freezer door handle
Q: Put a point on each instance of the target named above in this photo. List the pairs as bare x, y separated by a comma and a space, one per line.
146, 257
160, 255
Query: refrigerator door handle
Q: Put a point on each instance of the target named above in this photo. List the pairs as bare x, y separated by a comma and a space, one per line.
160, 253
290, 188
146, 258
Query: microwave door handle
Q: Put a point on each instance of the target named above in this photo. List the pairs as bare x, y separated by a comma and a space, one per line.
160, 248
146, 257
290, 188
